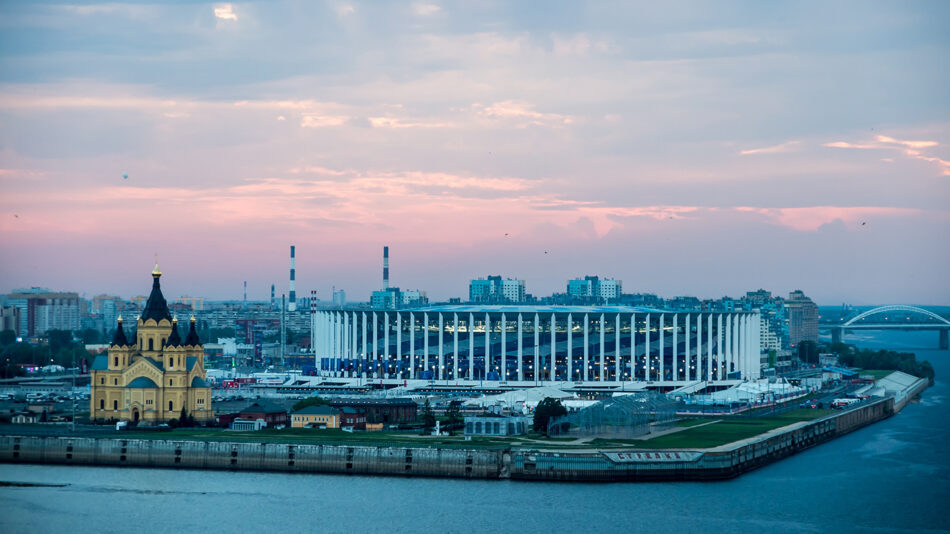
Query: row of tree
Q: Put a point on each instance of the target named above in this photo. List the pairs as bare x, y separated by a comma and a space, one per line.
889, 360
61, 348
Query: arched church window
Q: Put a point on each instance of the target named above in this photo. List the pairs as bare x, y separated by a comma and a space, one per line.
116, 361
170, 406
115, 405
102, 404
150, 344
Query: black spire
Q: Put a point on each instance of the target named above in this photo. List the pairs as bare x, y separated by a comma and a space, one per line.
174, 340
156, 308
192, 339
119, 340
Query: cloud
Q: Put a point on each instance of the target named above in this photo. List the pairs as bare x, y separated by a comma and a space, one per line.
510, 109
312, 120
344, 10
425, 10
225, 12
909, 148
776, 149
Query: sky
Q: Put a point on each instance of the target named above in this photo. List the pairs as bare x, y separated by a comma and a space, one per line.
685, 148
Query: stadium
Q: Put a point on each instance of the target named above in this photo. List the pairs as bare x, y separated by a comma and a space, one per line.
534, 344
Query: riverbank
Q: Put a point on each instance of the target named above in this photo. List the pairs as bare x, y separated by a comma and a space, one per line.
600, 464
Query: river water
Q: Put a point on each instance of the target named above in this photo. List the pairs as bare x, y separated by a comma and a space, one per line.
891, 477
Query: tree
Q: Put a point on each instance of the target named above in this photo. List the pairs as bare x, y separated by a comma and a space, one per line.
808, 352
772, 358
547, 409
59, 339
428, 418
309, 401
7, 337
453, 415
90, 336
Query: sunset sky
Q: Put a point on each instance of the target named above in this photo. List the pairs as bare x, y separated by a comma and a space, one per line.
686, 148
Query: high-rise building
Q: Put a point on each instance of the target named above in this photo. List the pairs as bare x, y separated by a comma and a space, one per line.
42, 310
802, 318
9, 318
594, 287
496, 289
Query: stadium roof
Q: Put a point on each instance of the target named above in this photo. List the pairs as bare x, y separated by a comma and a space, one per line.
539, 309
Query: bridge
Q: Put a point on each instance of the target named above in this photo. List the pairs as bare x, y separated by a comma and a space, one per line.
860, 322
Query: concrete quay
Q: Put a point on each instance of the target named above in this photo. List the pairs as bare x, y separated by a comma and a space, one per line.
718, 463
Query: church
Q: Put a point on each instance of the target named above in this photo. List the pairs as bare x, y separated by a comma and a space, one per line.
156, 376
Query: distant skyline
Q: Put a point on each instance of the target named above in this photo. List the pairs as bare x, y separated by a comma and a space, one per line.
693, 148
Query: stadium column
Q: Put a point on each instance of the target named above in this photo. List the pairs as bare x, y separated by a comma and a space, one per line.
344, 342
471, 346
520, 350
709, 347
586, 347
699, 348
676, 366
737, 341
441, 369
647, 375
455, 346
425, 341
720, 366
363, 352
633, 346
617, 376
503, 375
354, 343
375, 345
752, 358
688, 334
398, 366
661, 345
486, 362
386, 363
570, 348
553, 374
537, 346
602, 366
412, 345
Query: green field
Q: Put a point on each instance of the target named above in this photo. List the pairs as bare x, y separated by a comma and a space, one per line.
728, 430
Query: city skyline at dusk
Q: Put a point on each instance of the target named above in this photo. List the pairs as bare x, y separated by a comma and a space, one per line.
733, 147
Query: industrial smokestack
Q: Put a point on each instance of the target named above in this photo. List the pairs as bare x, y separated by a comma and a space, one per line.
272, 295
245, 293
292, 305
385, 267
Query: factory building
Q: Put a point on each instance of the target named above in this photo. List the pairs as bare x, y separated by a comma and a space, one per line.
538, 343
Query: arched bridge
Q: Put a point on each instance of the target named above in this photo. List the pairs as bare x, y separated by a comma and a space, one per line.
935, 322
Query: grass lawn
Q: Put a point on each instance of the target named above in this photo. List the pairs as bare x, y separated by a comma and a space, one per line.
726, 430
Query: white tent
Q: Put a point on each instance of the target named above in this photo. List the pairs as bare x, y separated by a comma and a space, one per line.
521, 398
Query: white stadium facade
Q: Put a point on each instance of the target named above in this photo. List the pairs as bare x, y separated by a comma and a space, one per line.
515, 343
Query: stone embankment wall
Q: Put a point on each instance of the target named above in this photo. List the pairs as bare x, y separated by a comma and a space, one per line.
457, 463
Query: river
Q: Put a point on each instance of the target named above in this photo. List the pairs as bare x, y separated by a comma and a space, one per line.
893, 476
